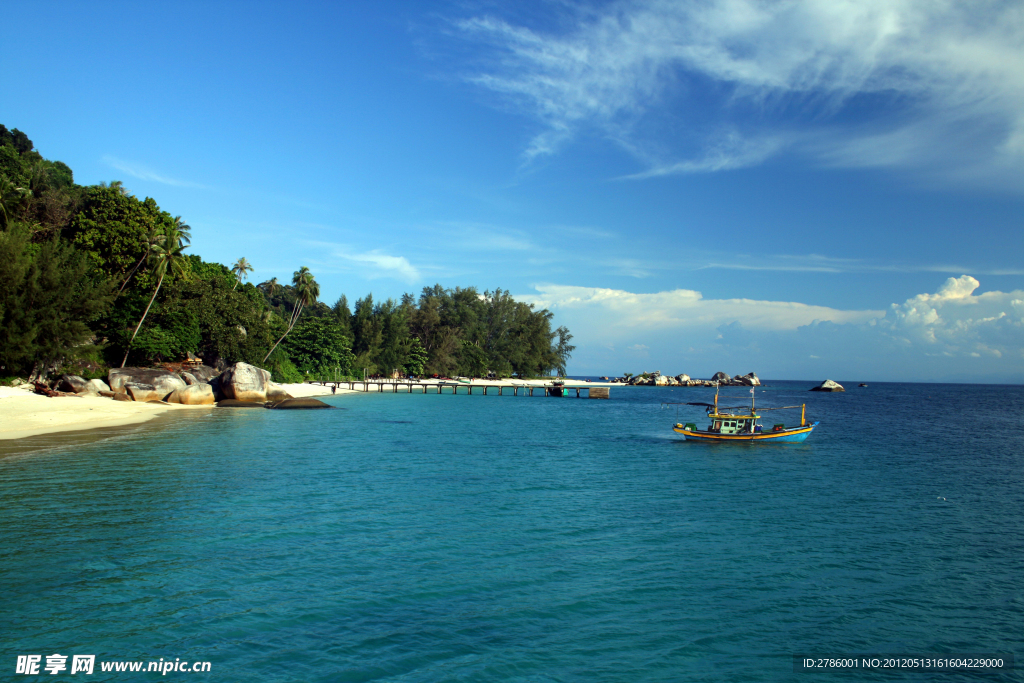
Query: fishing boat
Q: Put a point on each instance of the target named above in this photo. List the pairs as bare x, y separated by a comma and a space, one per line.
556, 388
732, 426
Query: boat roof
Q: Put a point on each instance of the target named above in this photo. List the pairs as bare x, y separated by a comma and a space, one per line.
732, 416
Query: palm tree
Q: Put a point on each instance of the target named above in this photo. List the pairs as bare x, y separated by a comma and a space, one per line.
168, 257
151, 239
240, 268
272, 286
178, 232
308, 291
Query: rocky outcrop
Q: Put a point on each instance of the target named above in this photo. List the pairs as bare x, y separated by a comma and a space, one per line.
194, 395
276, 393
160, 379
99, 386
141, 393
243, 382
829, 385
72, 384
747, 380
300, 404
720, 377
203, 373
189, 378
232, 403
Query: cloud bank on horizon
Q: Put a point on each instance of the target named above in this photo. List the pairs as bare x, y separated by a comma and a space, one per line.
937, 87
951, 334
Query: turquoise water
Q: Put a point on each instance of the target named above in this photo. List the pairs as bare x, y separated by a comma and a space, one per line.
472, 538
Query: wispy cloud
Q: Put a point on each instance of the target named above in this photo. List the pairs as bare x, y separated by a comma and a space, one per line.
370, 264
142, 173
910, 83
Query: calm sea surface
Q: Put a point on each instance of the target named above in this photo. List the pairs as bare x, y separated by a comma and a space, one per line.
472, 538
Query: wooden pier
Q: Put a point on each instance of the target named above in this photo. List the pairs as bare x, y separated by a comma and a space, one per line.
444, 387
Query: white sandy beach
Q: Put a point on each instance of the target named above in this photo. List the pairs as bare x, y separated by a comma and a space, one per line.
23, 413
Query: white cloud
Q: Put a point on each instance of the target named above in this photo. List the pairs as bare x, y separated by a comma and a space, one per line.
143, 173
931, 81
630, 311
951, 334
375, 264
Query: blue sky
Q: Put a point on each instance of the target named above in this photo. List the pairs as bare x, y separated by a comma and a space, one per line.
804, 189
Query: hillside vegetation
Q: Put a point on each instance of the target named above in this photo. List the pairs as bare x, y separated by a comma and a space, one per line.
91, 277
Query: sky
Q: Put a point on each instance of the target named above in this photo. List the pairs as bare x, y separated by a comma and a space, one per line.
804, 189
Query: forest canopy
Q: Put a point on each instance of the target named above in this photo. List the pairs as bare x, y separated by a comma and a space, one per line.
93, 277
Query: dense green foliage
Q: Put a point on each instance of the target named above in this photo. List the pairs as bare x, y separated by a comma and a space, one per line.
94, 275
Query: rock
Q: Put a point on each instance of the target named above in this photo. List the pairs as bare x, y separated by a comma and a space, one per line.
195, 395
110, 394
243, 382
99, 386
121, 397
276, 393
660, 380
683, 378
141, 393
233, 403
300, 403
829, 385
189, 378
203, 373
720, 377
747, 380
160, 379
73, 384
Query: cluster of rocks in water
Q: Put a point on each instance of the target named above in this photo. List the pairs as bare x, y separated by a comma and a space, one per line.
240, 385
656, 379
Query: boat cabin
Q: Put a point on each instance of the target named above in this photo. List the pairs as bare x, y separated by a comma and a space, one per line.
734, 424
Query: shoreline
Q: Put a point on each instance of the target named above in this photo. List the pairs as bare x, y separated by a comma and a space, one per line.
26, 414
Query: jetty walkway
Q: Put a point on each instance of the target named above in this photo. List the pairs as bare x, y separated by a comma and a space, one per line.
396, 387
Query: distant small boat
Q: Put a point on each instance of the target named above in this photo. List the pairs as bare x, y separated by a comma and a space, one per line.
862, 384
726, 426
556, 389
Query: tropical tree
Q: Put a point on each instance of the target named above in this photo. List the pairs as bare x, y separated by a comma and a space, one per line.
240, 269
272, 286
308, 292
168, 257
151, 239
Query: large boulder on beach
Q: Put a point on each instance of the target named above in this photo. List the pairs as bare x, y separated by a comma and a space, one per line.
829, 385
276, 393
72, 384
189, 378
194, 395
720, 377
98, 386
160, 379
300, 404
747, 380
142, 393
203, 373
233, 403
244, 382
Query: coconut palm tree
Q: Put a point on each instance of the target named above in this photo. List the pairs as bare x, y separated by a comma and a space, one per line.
272, 286
240, 268
308, 292
168, 257
178, 232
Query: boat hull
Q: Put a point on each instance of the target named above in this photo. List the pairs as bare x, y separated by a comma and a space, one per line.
794, 435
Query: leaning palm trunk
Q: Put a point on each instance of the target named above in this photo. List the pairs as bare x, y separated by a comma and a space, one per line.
291, 324
127, 279
145, 313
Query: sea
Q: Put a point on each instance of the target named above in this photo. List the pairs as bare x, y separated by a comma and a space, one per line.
424, 537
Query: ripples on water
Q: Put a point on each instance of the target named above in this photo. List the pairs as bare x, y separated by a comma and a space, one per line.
431, 538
